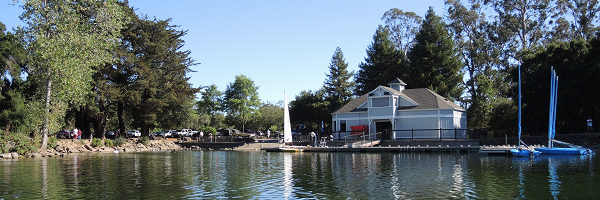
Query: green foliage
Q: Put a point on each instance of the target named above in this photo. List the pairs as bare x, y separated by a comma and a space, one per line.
120, 141
82, 142
65, 39
210, 102
274, 128
576, 64
108, 143
310, 108
383, 64
270, 114
16, 142
52, 142
96, 142
208, 129
144, 140
435, 63
241, 101
153, 75
338, 84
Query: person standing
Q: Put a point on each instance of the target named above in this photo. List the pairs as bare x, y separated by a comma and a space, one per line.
590, 128
313, 137
268, 133
79, 133
74, 134
201, 136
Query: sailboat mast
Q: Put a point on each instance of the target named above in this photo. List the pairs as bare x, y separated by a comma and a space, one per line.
519, 106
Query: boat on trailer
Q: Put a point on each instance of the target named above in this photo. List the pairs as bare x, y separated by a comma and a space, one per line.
522, 150
551, 150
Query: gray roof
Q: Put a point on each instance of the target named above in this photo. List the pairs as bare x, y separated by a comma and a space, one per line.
425, 98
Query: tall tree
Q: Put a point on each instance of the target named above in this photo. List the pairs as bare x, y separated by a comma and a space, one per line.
65, 39
383, 63
585, 14
435, 63
338, 84
480, 56
525, 20
241, 101
403, 27
210, 102
159, 84
12, 57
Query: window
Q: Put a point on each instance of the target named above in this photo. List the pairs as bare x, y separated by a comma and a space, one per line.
380, 102
343, 126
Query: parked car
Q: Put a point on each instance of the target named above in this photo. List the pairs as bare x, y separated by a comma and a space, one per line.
170, 133
111, 135
159, 134
63, 134
133, 133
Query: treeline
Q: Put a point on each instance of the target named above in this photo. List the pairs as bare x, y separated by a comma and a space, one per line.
471, 55
92, 65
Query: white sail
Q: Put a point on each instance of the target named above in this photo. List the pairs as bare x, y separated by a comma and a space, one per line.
287, 127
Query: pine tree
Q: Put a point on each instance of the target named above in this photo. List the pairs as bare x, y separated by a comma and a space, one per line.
435, 63
383, 63
338, 85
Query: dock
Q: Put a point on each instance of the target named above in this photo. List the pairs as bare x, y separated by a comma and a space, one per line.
384, 149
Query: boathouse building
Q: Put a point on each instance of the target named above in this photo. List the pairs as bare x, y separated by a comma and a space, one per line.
403, 113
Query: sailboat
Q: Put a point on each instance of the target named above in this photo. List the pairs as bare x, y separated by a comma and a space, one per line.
572, 149
524, 150
287, 129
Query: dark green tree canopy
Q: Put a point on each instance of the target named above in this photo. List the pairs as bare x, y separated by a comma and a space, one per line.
577, 64
382, 64
434, 60
338, 84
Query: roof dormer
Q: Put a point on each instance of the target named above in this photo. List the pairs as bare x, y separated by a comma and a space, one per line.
397, 84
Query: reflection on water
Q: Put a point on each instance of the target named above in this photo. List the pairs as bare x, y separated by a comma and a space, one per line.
265, 175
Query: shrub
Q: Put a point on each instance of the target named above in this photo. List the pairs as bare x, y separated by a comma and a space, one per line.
96, 142
22, 144
144, 140
108, 143
52, 142
120, 141
82, 142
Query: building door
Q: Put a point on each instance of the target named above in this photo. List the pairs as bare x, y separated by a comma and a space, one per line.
381, 126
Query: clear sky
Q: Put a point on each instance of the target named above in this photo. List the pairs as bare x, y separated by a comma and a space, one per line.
281, 45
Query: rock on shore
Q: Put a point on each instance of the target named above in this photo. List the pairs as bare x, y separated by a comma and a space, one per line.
67, 146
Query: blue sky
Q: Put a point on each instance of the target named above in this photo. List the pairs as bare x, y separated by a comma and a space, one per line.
280, 45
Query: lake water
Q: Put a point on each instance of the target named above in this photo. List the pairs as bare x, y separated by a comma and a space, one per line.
271, 175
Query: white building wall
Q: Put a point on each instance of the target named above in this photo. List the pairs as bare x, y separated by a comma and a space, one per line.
405, 126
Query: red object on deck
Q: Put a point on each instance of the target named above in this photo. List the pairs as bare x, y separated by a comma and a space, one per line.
359, 129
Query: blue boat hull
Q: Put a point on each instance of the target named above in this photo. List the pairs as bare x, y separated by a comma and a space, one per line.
524, 152
563, 151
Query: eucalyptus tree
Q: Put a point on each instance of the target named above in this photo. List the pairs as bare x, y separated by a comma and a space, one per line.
403, 27
65, 39
338, 85
434, 59
474, 38
241, 101
384, 62
585, 15
12, 57
526, 20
